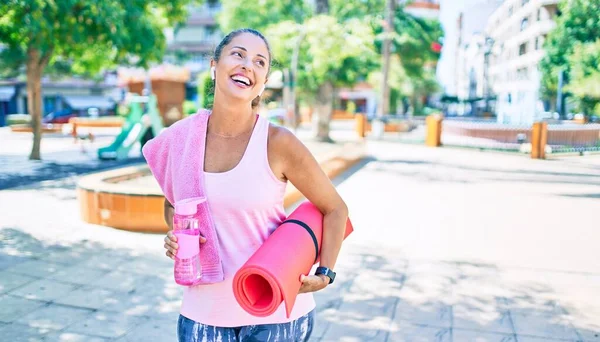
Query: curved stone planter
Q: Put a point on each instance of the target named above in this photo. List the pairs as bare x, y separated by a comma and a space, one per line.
129, 198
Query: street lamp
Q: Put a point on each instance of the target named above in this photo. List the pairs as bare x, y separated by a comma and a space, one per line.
487, 50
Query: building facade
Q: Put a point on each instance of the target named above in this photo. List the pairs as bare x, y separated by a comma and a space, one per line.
517, 31
192, 44
429, 9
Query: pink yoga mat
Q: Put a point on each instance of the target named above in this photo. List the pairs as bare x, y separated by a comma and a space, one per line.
272, 274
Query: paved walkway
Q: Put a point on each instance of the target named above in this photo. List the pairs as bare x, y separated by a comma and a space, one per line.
450, 245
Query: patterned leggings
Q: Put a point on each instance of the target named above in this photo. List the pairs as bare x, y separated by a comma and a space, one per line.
295, 331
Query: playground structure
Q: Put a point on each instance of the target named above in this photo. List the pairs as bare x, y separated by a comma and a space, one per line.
141, 124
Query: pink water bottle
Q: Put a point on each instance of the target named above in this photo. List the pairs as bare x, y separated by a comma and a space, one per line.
187, 269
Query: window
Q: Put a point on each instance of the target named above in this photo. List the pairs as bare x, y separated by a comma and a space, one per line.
522, 49
524, 24
539, 14
510, 11
524, 2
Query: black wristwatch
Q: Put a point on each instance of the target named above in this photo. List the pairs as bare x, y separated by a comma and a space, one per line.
326, 271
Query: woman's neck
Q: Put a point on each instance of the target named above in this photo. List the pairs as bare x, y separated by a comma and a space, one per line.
230, 119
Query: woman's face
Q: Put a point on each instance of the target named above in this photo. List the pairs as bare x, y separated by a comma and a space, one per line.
241, 71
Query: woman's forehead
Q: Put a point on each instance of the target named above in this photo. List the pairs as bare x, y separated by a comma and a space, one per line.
252, 43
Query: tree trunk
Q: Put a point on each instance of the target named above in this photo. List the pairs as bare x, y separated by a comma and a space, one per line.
35, 67
384, 107
324, 106
322, 6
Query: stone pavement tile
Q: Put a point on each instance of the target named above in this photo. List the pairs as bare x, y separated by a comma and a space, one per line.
44, 289
10, 281
102, 261
7, 260
90, 298
481, 336
153, 330
319, 328
107, 324
544, 325
148, 266
78, 275
12, 308
22, 333
119, 281
406, 332
70, 255
35, 268
64, 336
350, 328
524, 338
591, 333
434, 313
54, 317
15, 242
490, 320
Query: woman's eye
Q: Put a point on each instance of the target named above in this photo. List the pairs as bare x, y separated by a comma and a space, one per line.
261, 63
236, 53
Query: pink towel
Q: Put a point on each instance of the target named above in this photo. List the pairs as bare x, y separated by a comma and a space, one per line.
176, 160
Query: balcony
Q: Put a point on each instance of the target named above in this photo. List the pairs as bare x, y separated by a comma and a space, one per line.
203, 15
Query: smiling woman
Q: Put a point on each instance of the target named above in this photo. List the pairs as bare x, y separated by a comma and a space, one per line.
246, 163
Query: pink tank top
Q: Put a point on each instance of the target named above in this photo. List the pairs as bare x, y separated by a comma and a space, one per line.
247, 205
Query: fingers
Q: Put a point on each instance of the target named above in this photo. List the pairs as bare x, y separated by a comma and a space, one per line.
202, 239
170, 245
171, 236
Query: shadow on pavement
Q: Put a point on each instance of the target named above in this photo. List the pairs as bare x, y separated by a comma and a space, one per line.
393, 299
82, 291
44, 171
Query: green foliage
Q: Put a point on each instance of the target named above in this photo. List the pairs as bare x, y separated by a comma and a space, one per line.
578, 23
85, 35
329, 51
189, 108
259, 14
206, 90
412, 41
585, 75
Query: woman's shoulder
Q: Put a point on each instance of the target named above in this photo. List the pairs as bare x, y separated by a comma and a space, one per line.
282, 141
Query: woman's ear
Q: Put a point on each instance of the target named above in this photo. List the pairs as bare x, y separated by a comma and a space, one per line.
213, 72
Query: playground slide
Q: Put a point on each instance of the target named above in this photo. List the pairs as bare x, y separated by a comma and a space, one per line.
133, 130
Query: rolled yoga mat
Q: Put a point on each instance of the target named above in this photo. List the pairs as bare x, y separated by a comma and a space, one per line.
272, 274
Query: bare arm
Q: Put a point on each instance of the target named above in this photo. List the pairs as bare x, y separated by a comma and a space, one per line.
168, 214
304, 172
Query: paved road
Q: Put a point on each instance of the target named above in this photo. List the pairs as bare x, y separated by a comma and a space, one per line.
450, 245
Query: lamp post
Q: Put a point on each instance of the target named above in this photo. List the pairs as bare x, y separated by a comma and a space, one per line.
489, 44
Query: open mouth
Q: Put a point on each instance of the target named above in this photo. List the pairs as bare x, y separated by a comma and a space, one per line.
241, 80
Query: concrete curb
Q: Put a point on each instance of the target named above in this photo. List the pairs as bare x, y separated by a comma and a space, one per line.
333, 167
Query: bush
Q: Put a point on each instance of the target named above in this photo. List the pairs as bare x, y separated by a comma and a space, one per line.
206, 90
189, 108
18, 119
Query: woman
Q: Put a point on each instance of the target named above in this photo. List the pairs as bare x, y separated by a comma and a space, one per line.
248, 162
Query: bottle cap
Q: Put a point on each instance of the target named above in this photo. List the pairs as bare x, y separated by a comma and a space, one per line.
188, 206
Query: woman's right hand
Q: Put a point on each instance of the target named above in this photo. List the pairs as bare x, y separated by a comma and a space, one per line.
171, 244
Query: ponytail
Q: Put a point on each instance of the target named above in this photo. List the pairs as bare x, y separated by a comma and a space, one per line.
256, 102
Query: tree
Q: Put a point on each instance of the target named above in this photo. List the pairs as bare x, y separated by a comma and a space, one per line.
412, 43
331, 55
577, 23
325, 60
585, 75
85, 35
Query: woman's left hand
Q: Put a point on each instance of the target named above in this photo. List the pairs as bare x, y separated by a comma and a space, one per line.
313, 283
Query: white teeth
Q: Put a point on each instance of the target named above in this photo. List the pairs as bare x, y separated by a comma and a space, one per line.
242, 79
